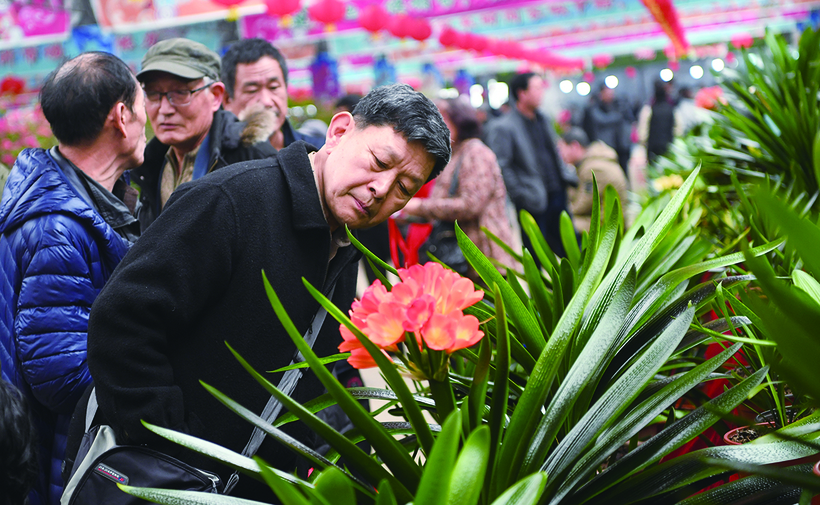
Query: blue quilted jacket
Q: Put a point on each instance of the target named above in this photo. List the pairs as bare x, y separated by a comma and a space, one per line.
56, 252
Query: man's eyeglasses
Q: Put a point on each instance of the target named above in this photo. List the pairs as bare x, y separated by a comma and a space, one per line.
176, 97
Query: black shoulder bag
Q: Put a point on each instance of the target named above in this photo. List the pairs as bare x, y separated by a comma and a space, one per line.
442, 242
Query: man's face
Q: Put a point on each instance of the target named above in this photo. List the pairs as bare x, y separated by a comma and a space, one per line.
531, 97
182, 126
261, 82
607, 95
369, 174
136, 128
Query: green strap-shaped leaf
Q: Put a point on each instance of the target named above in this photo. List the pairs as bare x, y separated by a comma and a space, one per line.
526, 417
569, 241
637, 419
385, 496
478, 390
498, 412
439, 468
173, 497
289, 495
384, 444
470, 468
370, 256
334, 487
525, 322
780, 487
588, 362
615, 400
325, 361
527, 491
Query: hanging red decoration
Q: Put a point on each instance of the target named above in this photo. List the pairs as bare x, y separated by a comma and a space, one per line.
372, 18
281, 8
228, 3
742, 40
667, 17
602, 60
419, 29
327, 11
399, 26
674, 66
476, 43
448, 37
589, 77
12, 86
631, 72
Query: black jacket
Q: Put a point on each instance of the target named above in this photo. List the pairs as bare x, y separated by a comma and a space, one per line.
231, 141
194, 281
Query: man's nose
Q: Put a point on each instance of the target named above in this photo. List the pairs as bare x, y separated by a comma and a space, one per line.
381, 184
165, 106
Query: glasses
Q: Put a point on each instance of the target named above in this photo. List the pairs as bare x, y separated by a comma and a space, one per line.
176, 97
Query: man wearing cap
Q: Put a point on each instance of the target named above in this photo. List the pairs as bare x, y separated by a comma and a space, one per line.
194, 136
255, 75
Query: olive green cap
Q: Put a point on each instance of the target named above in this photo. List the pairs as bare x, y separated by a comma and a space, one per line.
183, 58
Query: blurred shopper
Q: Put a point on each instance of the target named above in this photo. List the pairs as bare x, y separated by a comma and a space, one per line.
193, 135
194, 280
18, 447
657, 121
687, 114
590, 158
480, 197
608, 120
255, 75
535, 176
65, 223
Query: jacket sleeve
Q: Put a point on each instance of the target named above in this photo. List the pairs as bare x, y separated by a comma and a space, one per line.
501, 140
179, 266
51, 316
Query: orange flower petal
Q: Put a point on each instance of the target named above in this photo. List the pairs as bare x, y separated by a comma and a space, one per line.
439, 333
467, 333
385, 328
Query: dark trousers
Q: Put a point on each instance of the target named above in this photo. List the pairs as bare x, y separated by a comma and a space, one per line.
549, 222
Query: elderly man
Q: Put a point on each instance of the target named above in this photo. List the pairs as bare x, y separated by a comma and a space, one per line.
65, 224
255, 75
194, 280
193, 135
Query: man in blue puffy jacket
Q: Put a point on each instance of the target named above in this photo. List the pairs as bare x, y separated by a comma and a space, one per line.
65, 224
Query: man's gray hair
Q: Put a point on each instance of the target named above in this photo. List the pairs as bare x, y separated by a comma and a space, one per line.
409, 113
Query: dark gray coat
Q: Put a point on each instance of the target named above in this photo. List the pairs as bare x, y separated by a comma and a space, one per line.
194, 281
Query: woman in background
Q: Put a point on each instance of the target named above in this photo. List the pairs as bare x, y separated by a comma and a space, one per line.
480, 197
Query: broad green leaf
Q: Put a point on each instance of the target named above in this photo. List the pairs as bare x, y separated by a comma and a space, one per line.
478, 390
528, 327
385, 496
757, 487
438, 470
807, 283
289, 495
173, 497
615, 400
468, 473
802, 234
816, 156
668, 440
334, 487
372, 257
326, 360
638, 418
527, 413
501, 390
588, 362
371, 469
569, 241
527, 491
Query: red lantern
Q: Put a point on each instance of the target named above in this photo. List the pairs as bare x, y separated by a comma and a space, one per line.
742, 40
228, 3
327, 11
419, 29
399, 26
12, 86
674, 65
448, 37
372, 18
281, 8
477, 43
602, 60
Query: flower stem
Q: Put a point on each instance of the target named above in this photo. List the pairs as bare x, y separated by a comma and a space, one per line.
442, 393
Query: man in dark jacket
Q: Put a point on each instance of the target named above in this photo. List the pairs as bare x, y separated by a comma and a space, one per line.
194, 135
64, 226
535, 176
255, 75
194, 280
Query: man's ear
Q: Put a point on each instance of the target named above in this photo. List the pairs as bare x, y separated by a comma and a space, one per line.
218, 92
119, 118
340, 124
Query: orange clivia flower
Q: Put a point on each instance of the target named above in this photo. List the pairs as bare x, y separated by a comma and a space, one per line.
428, 302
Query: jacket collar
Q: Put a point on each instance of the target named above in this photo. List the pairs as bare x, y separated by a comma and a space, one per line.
298, 173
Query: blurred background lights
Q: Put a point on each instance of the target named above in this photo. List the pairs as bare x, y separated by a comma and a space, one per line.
583, 88
566, 86
667, 74
611, 82
696, 72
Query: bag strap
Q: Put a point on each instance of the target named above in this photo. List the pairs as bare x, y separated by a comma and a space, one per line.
286, 385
